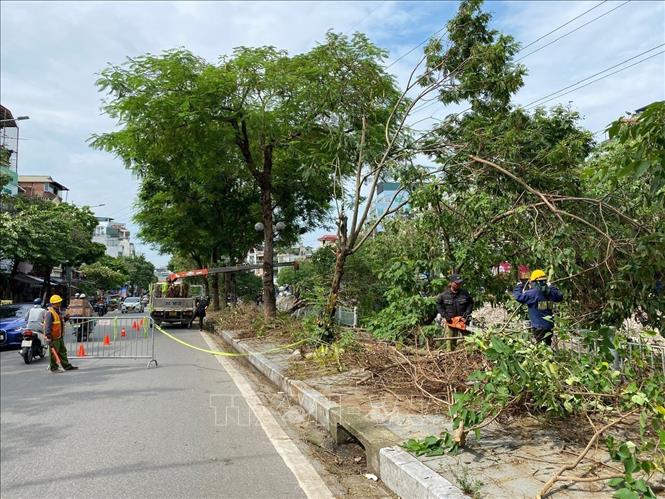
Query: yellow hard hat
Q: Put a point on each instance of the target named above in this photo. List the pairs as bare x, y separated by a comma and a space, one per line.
538, 274
55, 299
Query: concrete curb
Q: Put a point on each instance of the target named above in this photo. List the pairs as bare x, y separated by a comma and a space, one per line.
400, 471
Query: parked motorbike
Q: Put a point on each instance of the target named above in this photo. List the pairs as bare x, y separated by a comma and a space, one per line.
33, 345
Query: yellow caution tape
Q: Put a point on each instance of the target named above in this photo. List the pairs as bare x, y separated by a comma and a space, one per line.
224, 354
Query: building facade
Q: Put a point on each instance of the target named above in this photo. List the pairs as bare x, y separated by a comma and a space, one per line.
41, 186
114, 236
9, 151
385, 191
295, 254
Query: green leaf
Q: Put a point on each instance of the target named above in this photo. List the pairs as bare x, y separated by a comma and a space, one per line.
615, 482
625, 494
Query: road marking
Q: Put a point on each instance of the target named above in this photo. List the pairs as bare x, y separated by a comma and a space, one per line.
308, 479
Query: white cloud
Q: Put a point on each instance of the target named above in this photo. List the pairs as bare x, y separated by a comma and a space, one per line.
52, 51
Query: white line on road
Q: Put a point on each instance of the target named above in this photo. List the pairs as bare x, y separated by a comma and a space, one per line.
309, 480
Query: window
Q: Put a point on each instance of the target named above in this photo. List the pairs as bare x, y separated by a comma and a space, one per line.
49, 188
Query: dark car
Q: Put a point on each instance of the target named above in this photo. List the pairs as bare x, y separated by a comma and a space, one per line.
12, 321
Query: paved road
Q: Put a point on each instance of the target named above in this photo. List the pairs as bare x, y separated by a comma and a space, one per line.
117, 429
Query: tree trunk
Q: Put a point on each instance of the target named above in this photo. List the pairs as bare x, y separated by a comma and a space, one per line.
46, 287
206, 280
12, 286
230, 286
215, 291
206, 285
215, 282
269, 305
331, 304
225, 290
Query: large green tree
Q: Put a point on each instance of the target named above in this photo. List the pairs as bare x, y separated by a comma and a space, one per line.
47, 235
260, 117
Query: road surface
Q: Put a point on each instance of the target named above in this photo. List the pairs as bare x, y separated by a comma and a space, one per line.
117, 429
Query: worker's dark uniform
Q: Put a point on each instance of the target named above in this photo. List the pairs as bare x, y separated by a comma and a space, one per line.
200, 312
540, 301
458, 304
54, 329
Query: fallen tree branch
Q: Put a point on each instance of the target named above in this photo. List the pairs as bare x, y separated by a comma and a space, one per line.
558, 476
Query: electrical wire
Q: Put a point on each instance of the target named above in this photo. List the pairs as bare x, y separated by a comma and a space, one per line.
598, 79
414, 48
562, 26
370, 13
573, 31
595, 74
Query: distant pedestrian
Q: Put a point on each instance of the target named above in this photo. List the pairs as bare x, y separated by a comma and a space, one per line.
454, 306
54, 329
200, 312
539, 296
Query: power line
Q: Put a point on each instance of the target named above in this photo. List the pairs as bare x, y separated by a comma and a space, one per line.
594, 75
572, 31
371, 12
602, 77
563, 25
414, 48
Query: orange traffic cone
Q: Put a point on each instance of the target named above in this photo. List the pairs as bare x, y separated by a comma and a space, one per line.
123, 332
135, 326
141, 323
107, 340
81, 352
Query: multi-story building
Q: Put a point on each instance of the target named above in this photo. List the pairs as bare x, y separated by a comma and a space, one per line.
9, 151
41, 186
115, 236
294, 254
385, 191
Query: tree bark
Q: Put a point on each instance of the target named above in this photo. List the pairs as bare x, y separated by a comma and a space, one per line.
331, 304
342, 252
215, 291
215, 283
12, 280
46, 287
269, 304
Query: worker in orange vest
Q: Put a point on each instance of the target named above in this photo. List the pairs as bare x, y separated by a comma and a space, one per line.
54, 329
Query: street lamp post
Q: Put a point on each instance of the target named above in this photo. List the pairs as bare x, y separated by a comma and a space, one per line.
18, 118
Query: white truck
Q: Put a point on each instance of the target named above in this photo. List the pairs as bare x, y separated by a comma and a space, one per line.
173, 303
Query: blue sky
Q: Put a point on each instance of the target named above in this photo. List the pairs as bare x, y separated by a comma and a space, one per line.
51, 51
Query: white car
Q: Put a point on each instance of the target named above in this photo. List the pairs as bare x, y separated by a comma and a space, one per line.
132, 304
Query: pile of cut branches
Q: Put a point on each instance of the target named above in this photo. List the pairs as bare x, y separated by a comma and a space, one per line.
508, 373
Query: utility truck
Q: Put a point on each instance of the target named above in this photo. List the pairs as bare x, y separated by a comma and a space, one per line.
174, 302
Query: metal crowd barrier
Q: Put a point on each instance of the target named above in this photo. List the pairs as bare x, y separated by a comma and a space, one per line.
111, 337
651, 355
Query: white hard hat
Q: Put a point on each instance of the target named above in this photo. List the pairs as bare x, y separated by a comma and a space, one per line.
82, 295
76, 295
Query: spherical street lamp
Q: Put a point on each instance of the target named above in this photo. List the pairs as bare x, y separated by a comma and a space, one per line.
258, 227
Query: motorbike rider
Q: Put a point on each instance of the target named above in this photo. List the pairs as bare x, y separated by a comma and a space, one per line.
35, 317
54, 328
